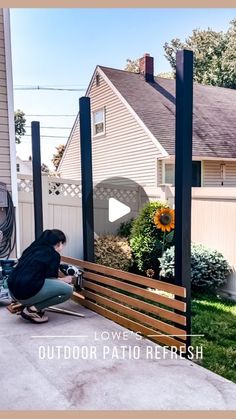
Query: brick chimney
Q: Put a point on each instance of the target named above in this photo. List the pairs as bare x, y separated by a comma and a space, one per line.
146, 65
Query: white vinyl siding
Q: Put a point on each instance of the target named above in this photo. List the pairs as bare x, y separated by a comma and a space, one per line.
5, 165
124, 151
70, 167
212, 173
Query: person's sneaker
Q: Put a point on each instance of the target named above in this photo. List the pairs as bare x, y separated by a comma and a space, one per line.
35, 316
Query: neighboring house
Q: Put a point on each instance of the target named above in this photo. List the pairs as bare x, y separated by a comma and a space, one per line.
133, 130
8, 175
7, 130
24, 166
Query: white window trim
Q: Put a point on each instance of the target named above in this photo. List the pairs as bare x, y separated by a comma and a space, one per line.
100, 134
172, 162
202, 173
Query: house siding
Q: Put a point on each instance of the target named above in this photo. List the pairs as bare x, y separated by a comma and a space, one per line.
5, 165
212, 175
125, 150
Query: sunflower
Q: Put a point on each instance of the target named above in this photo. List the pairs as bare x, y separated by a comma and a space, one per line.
164, 219
150, 273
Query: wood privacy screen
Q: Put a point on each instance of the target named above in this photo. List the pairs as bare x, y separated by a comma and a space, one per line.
154, 308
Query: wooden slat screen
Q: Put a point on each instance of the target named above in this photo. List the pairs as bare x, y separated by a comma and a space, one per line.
141, 304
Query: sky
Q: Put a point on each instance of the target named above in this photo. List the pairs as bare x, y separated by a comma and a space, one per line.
60, 48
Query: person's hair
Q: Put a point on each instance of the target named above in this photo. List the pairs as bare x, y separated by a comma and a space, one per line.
47, 238
52, 237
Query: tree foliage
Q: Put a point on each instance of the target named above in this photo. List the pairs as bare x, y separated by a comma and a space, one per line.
45, 168
214, 55
166, 75
132, 65
58, 155
20, 122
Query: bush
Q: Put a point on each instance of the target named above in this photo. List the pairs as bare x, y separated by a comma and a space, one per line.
209, 269
113, 251
145, 238
125, 228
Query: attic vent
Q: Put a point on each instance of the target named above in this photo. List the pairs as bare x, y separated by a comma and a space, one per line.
97, 80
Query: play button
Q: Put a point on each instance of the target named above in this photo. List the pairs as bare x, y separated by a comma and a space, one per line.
117, 209
115, 200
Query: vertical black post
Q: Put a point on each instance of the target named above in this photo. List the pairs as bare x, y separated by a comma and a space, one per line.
37, 180
87, 178
183, 176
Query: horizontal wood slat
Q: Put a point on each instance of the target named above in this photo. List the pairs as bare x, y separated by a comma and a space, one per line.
143, 318
124, 310
132, 325
134, 302
169, 302
137, 279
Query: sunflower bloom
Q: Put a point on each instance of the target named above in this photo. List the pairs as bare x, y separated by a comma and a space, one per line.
150, 273
164, 219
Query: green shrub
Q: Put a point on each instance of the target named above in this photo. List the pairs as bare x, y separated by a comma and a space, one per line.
145, 238
113, 251
125, 228
209, 269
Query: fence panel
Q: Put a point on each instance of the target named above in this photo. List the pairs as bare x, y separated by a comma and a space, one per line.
213, 211
62, 208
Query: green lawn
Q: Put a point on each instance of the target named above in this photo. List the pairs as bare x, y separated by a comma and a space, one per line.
215, 317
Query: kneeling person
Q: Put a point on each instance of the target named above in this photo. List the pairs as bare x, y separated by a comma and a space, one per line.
34, 281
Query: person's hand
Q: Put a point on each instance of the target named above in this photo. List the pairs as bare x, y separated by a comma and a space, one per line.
68, 279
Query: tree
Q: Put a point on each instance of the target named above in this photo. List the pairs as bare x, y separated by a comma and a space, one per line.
166, 75
20, 122
214, 55
132, 65
45, 168
229, 58
58, 155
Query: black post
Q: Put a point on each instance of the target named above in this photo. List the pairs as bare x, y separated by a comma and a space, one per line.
87, 178
37, 180
183, 176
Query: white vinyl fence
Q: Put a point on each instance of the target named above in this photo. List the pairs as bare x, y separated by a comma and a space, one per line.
62, 209
213, 212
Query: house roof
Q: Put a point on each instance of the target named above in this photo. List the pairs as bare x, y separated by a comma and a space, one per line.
214, 112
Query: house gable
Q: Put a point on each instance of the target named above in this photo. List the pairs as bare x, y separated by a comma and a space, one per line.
125, 150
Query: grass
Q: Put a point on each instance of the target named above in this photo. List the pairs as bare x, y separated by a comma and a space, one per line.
215, 318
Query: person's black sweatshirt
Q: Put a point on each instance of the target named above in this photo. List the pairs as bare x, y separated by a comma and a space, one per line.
37, 263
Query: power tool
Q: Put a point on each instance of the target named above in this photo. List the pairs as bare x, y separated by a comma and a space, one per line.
76, 272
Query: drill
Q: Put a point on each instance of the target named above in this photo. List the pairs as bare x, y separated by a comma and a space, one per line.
76, 272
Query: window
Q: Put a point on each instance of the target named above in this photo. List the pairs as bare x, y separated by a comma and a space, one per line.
169, 173
196, 173
17, 167
99, 122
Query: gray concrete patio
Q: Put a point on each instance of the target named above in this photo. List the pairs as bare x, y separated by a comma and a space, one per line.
28, 382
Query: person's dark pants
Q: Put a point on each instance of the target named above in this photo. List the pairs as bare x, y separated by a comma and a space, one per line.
53, 292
